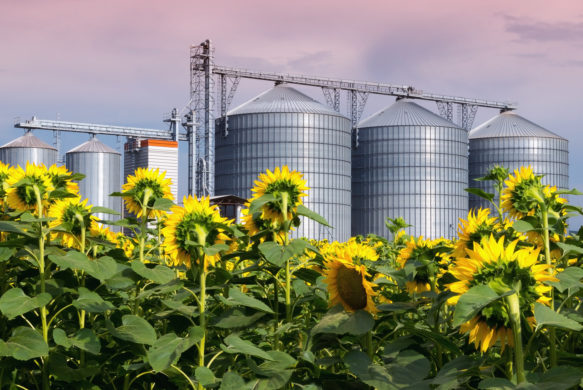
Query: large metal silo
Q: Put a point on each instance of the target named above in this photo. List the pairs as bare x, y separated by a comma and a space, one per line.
513, 141
283, 126
101, 166
28, 148
409, 163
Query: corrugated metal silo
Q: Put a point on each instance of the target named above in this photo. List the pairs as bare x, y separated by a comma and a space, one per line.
28, 148
283, 126
101, 166
513, 141
409, 163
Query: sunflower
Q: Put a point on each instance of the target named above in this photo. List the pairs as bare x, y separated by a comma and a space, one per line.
72, 215
125, 244
61, 178
255, 224
425, 255
346, 277
195, 222
287, 187
517, 197
146, 183
103, 233
502, 267
5, 173
22, 184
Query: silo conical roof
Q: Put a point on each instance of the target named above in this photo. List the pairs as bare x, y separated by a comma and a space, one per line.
510, 124
28, 140
93, 146
405, 113
283, 98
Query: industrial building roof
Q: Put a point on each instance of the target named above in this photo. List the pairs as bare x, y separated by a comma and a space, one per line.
510, 124
405, 113
283, 99
93, 146
28, 140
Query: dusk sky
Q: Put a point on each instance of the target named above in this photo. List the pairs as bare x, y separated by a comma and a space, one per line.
126, 62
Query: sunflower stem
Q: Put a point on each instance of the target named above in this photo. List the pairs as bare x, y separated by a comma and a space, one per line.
514, 311
545, 220
82, 282
202, 235
288, 308
41, 267
276, 314
369, 345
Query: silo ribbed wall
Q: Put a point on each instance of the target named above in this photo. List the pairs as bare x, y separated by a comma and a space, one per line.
317, 145
546, 156
101, 167
414, 171
28, 148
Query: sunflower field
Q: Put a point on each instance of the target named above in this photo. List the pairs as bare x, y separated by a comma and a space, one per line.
187, 299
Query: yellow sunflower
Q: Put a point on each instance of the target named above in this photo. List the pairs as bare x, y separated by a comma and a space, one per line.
5, 173
347, 279
71, 215
255, 224
22, 184
103, 233
146, 183
61, 178
425, 255
126, 244
517, 197
502, 267
287, 187
196, 222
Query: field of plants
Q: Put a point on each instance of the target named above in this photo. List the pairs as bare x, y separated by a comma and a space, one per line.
185, 298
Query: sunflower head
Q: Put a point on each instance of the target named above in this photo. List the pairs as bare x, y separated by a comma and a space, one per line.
255, 224
143, 188
521, 197
5, 173
287, 187
125, 244
26, 186
347, 280
61, 179
100, 232
478, 225
72, 216
197, 224
502, 267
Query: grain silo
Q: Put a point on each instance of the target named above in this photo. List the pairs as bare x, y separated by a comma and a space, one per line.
101, 166
28, 148
409, 163
512, 141
280, 127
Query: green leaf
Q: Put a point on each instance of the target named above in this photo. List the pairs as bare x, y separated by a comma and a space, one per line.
6, 253
568, 248
256, 205
59, 367
522, 226
275, 381
306, 212
165, 351
497, 384
103, 210
557, 378
135, 329
84, 339
360, 365
569, 278
205, 376
236, 297
213, 250
574, 191
437, 338
234, 344
14, 227
235, 318
408, 368
91, 302
25, 344
338, 321
159, 274
307, 275
72, 259
545, 316
480, 193
102, 268
15, 302
278, 254
470, 303
162, 204
232, 381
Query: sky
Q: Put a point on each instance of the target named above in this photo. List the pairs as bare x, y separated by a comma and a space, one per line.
125, 62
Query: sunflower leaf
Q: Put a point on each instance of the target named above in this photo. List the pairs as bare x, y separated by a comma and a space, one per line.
278, 254
25, 344
15, 302
103, 210
474, 300
569, 278
162, 204
522, 226
159, 274
256, 205
306, 212
213, 250
236, 297
234, 344
14, 227
338, 321
91, 302
480, 193
135, 329
545, 316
